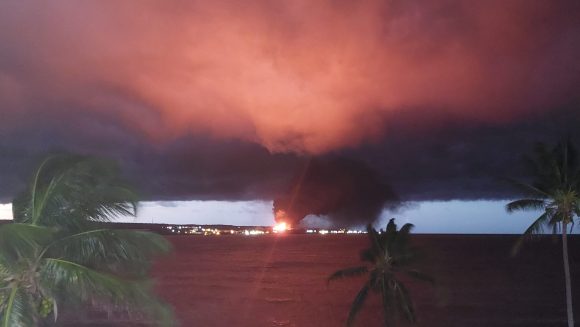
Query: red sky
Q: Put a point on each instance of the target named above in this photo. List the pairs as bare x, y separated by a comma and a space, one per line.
298, 76
227, 100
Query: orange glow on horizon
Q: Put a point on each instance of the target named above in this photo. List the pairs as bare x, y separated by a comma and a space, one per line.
280, 227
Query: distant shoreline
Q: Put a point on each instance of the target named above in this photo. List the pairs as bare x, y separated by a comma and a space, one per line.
161, 228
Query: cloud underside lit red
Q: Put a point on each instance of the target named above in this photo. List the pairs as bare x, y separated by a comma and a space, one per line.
303, 76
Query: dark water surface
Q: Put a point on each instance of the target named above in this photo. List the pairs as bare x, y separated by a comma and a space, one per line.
281, 281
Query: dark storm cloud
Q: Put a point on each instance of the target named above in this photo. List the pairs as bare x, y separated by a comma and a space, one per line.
198, 167
218, 100
455, 160
344, 190
192, 167
464, 160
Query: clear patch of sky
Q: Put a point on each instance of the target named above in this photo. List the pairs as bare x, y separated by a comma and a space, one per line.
464, 217
241, 213
461, 217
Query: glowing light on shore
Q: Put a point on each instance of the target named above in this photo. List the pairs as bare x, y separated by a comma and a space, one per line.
280, 227
253, 232
6, 211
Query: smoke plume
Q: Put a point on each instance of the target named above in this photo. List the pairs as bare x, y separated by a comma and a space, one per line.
346, 191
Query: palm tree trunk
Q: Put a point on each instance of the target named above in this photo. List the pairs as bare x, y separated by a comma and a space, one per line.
567, 276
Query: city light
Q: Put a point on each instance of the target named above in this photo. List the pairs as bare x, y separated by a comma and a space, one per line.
281, 227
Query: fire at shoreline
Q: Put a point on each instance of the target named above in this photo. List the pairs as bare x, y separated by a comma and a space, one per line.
280, 227
222, 230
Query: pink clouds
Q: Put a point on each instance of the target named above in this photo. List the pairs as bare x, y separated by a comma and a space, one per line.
304, 76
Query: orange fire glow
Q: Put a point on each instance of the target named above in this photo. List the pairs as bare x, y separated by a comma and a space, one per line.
280, 227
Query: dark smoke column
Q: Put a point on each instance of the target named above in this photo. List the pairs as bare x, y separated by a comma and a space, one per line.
348, 192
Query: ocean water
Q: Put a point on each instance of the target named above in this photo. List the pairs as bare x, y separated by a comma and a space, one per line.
281, 281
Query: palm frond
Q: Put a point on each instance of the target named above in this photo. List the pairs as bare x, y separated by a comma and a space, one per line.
555, 219
70, 190
525, 204
54, 240
357, 304
576, 210
4, 268
82, 281
107, 202
21, 240
386, 301
404, 301
124, 250
555, 228
374, 279
43, 197
375, 240
391, 226
348, 272
537, 227
406, 229
85, 284
389, 252
399, 244
21, 208
389, 236
18, 309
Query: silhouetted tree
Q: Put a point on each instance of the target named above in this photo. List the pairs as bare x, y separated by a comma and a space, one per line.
555, 191
55, 251
389, 255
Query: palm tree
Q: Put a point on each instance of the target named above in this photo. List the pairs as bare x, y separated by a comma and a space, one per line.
389, 256
556, 191
56, 252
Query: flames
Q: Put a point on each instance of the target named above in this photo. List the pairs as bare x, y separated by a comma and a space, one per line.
280, 227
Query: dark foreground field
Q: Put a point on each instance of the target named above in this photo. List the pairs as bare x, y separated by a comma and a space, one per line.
281, 281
